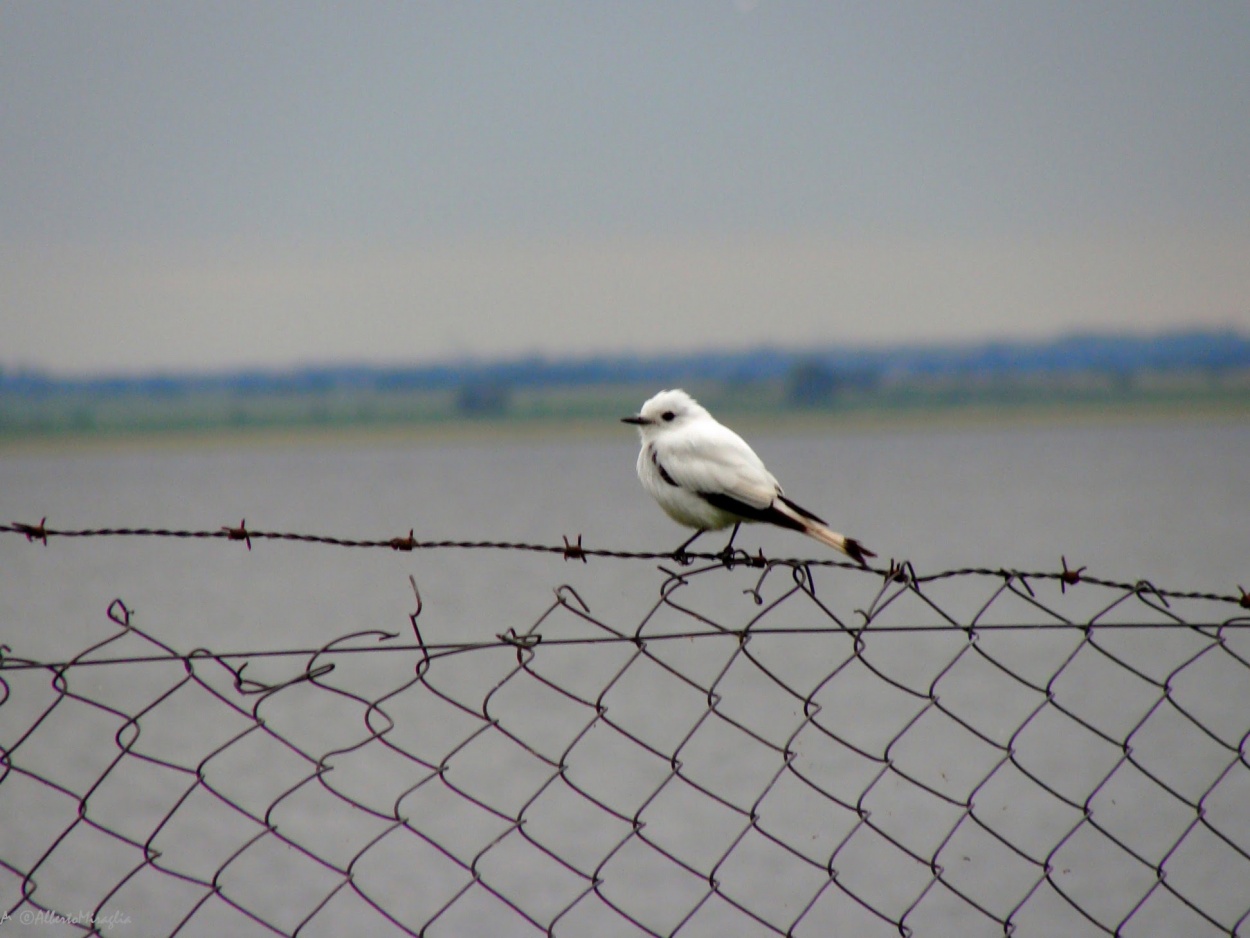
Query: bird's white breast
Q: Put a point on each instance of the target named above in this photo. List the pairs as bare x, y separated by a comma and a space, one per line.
682, 505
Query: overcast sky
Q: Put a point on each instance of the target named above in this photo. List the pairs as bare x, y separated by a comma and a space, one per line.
219, 184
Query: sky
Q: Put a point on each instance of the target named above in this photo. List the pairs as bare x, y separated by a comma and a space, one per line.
215, 185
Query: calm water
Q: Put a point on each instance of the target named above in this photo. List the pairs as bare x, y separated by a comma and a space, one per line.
1165, 502
1162, 501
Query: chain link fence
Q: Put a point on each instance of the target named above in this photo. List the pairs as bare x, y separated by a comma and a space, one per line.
758, 752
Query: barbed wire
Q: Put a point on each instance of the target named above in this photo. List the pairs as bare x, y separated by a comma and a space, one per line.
1043, 753
573, 550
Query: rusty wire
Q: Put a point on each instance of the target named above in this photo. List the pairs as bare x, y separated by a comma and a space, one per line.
1055, 754
573, 550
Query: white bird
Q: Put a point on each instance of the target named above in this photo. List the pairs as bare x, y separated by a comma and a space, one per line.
706, 477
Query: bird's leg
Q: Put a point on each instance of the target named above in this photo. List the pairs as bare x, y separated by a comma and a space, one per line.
726, 555
680, 553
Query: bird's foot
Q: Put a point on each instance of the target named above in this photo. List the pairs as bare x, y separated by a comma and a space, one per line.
728, 556
681, 558
733, 556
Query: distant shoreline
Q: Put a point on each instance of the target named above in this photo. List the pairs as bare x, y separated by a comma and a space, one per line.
867, 419
1070, 376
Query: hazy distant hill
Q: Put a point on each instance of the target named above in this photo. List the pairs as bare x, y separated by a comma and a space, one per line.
1203, 350
1210, 368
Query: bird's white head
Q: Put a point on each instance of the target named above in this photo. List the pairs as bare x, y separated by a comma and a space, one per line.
665, 412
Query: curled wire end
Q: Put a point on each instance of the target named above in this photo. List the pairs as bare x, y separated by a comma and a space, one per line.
564, 588
240, 533
245, 686
417, 593
574, 551
119, 613
413, 617
674, 580
1145, 586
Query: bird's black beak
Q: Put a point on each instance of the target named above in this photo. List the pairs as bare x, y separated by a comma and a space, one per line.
637, 421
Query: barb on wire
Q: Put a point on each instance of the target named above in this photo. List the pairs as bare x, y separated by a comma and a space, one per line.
1069, 577
239, 534
574, 551
33, 532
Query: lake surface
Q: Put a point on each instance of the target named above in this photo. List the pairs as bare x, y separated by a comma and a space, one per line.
1157, 500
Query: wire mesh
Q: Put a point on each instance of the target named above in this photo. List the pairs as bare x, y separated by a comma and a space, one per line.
770, 747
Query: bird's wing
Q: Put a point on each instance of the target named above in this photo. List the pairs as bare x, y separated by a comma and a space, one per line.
712, 459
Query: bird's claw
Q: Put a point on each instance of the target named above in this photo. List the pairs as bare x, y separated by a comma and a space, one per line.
732, 556
681, 558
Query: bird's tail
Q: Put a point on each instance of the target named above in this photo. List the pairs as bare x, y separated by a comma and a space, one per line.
803, 520
848, 545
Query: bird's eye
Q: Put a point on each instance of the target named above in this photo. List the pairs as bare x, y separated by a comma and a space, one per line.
667, 416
